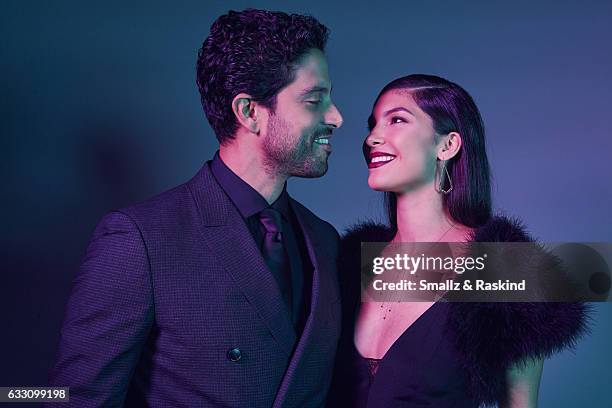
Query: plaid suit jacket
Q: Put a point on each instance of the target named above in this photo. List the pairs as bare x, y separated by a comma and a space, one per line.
174, 306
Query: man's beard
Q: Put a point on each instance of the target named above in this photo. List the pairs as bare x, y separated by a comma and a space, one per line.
283, 156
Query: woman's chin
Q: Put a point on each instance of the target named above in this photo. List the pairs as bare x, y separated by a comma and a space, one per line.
377, 185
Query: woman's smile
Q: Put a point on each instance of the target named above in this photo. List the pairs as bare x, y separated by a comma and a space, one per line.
379, 159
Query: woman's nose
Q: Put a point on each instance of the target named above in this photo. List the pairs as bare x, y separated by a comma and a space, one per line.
374, 140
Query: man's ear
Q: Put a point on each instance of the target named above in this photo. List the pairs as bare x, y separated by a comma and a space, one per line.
449, 146
246, 109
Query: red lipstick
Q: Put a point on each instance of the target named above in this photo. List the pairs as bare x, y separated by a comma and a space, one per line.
378, 159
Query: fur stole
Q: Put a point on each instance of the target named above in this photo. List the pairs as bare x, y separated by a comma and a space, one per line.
489, 337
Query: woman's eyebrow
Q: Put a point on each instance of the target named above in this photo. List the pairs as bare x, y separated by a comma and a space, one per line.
398, 109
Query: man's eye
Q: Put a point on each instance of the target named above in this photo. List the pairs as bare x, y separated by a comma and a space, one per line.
397, 119
313, 102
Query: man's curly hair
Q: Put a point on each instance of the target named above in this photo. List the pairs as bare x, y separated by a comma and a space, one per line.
251, 51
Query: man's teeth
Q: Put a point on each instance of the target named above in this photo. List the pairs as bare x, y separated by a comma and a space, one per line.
322, 141
381, 159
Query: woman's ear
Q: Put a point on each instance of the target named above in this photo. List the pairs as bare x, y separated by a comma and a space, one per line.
449, 146
245, 109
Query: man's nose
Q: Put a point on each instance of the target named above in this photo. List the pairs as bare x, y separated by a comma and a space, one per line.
333, 117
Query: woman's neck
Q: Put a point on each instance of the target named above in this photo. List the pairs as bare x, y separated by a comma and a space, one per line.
422, 217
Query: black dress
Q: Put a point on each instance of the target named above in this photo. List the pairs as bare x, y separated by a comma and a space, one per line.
419, 370
456, 354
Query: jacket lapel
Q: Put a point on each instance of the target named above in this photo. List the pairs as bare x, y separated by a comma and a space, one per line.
228, 238
322, 263
321, 284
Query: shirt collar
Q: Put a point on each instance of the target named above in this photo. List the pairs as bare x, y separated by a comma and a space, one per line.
246, 199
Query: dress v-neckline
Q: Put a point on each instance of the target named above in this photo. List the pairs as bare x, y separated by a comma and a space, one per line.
408, 329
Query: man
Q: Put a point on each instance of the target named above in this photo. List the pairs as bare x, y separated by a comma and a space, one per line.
222, 291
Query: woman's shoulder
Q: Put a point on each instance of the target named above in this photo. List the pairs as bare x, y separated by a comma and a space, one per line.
352, 238
367, 231
499, 228
514, 331
502, 228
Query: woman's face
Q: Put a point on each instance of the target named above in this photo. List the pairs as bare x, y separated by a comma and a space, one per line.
402, 144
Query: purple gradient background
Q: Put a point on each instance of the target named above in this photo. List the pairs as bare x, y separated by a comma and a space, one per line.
99, 109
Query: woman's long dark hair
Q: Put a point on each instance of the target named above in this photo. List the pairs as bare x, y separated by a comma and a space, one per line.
451, 109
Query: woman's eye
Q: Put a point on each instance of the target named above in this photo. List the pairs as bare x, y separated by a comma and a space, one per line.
313, 102
397, 119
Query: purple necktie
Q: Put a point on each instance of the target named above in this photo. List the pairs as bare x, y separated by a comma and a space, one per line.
274, 252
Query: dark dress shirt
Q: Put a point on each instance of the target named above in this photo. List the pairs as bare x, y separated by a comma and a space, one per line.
249, 204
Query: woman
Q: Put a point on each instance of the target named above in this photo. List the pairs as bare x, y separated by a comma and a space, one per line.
426, 151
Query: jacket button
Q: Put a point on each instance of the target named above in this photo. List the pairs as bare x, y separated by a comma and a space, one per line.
234, 354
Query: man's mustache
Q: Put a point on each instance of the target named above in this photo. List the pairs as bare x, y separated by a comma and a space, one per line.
323, 132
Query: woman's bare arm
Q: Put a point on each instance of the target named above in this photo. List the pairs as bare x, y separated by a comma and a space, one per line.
523, 383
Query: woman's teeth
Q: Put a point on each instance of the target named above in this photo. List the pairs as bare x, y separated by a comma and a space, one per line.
381, 159
322, 141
